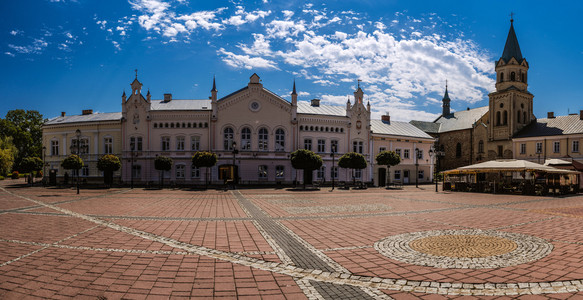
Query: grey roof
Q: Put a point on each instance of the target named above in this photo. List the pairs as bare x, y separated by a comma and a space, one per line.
428, 127
304, 107
397, 128
511, 49
181, 105
97, 117
460, 120
561, 125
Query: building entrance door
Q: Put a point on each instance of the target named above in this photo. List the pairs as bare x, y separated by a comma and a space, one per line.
405, 176
229, 172
382, 176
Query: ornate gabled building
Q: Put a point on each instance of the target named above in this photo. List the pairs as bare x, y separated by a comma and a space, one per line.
485, 133
253, 131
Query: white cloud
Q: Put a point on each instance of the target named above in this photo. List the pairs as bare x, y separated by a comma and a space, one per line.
9, 54
283, 29
36, 47
246, 61
16, 32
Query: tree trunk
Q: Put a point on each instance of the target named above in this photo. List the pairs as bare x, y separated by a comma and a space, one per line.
388, 175
161, 179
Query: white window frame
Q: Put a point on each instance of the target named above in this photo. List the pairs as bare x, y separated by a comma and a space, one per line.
334, 143
397, 174
263, 139
194, 172
321, 173
334, 172
180, 141
228, 138
180, 171
262, 172
406, 153
279, 140
523, 148
279, 172
55, 147
165, 143
107, 145
308, 144
246, 139
557, 147
575, 146
538, 147
195, 143
321, 145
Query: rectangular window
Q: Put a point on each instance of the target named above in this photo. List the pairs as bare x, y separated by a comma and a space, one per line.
398, 152
179, 143
82, 148
279, 140
308, 144
165, 143
136, 171
195, 143
522, 148
321, 172
195, 172
539, 147
421, 174
334, 146
85, 171
263, 140
406, 153
358, 174
381, 149
321, 146
279, 172
108, 145
262, 172
557, 147
180, 171
357, 147
419, 154
54, 147
397, 174
334, 172
575, 147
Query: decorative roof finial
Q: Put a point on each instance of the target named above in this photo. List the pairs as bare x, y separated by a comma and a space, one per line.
136, 73
511, 17
358, 80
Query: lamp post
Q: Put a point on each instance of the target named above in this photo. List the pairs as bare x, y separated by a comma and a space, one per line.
435, 152
132, 148
333, 150
235, 151
44, 164
77, 149
416, 167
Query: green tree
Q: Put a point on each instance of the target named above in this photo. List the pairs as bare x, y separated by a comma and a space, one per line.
72, 162
389, 159
108, 164
7, 155
354, 161
30, 165
162, 163
305, 160
25, 127
204, 159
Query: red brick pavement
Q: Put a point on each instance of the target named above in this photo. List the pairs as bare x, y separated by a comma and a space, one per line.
47, 254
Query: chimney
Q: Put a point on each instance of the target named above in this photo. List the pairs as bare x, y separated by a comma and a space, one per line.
581, 115
315, 102
167, 97
87, 112
386, 118
550, 115
63, 114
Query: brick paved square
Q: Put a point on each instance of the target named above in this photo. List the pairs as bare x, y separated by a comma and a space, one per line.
280, 244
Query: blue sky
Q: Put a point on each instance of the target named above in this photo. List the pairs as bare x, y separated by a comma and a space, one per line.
65, 55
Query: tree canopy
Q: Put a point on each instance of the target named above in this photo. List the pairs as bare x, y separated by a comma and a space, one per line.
204, 159
352, 160
25, 127
7, 154
72, 162
163, 163
303, 159
388, 158
108, 163
30, 164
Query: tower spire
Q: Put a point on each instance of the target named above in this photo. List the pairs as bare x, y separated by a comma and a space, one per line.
294, 89
512, 48
214, 85
446, 101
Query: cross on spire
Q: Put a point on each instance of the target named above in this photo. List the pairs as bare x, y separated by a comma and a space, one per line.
136, 73
511, 17
358, 81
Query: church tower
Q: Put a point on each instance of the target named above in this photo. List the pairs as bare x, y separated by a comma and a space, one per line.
511, 105
446, 103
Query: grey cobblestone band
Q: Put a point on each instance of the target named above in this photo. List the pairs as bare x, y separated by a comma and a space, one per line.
528, 248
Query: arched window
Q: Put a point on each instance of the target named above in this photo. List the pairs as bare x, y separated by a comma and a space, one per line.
524, 117
246, 138
263, 139
518, 117
311, 128
512, 76
301, 127
279, 140
228, 135
458, 150
193, 125
501, 77
481, 146
505, 117
497, 118
155, 125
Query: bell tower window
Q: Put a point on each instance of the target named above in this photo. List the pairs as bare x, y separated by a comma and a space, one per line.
512, 76
501, 77
505, 117
497, 118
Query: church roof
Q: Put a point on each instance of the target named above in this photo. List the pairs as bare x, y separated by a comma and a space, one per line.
460, 120
428, 127
560, 125
181, 105
397, 128
96, 117
305, 107
511, 49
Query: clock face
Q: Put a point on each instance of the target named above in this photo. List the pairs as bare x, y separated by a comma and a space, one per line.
254, 106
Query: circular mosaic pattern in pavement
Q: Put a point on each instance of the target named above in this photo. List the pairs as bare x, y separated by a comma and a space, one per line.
464, 249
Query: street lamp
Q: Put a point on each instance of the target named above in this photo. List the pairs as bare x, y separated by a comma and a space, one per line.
235, 151
132, 148
44, 164
333, 150
77, 149
435, 152
417, 154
